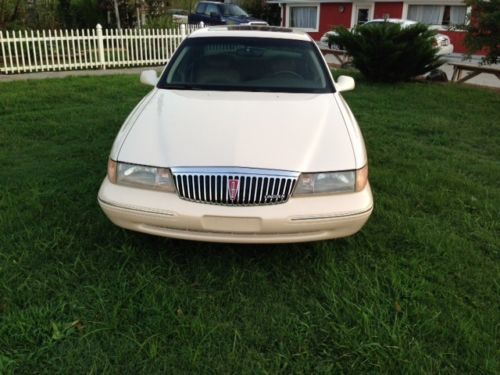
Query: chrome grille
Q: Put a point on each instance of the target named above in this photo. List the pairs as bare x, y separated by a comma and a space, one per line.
255, 186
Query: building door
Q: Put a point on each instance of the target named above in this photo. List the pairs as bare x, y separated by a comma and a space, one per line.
361, 13
362, 16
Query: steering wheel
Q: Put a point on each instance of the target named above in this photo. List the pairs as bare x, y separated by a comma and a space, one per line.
288, 73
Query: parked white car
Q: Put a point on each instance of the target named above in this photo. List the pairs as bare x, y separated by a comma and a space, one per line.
244, 138
441, 40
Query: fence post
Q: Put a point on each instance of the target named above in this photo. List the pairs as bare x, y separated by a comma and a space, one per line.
100, 46
183, 31
3, 53
202, 25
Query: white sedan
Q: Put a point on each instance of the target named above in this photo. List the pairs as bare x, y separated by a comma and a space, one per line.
440, 40
244, 138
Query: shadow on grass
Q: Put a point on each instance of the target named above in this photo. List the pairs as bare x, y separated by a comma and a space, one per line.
184, 253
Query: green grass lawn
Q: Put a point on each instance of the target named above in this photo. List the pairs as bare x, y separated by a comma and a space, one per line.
416, 291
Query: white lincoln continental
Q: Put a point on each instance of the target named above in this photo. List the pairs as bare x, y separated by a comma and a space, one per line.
244, 138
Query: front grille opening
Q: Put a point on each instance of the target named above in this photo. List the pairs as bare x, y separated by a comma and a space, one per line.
213, 187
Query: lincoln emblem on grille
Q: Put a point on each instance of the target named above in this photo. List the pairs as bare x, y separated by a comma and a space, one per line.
233, 187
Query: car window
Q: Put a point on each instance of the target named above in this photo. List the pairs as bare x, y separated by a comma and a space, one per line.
211, 8
247, 64
201, 8
232, 10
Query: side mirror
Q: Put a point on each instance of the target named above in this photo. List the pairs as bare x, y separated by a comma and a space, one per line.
345, 83
149, 77
214, 15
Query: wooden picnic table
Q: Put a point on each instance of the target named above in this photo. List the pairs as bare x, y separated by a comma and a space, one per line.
342, 56
474, 70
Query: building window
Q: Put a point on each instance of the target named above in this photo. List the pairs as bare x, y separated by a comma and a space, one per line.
458, 15
438, 14
304, 17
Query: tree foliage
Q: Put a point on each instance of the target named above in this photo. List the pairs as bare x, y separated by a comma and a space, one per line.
57, 14
271, 13
484, 29
387, 52
51, 14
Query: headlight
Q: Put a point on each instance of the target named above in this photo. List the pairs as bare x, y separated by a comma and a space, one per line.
332, 182
140, 176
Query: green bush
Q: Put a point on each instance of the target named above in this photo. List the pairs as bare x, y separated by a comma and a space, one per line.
161, 22
387, 52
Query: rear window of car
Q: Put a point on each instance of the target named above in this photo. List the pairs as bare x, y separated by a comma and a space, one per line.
211, 8
247, 64
232, 10
201, 8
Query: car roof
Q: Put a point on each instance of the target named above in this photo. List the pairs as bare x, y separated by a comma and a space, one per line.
253, 31
400, 21
394, 20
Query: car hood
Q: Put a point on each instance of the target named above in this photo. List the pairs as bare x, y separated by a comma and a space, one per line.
297, 132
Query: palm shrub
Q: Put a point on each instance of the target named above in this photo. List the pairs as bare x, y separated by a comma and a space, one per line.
388, 52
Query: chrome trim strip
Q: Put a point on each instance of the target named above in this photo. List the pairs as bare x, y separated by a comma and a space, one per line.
189, 186
271, 192
233, 171
243, 187
221, 187
326, 217
210, 187
278, 192
135, 208
205, 188
255, 189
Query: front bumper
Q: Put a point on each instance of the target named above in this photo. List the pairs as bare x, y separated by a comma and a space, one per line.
298, 220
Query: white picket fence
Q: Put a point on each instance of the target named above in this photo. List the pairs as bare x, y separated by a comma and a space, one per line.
35, 51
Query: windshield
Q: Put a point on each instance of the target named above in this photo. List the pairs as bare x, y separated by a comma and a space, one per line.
233, 10
247, 64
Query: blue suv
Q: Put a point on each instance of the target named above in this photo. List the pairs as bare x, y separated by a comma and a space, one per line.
214, 13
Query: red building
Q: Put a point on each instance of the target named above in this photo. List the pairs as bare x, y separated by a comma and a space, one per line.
319, 16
